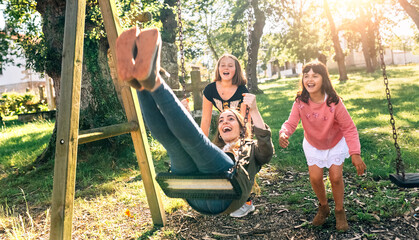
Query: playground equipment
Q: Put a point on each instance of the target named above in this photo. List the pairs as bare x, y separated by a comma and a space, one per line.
68, 135
401, 178
209, 186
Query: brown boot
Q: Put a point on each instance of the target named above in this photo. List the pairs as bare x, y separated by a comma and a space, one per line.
322, 213
341, 223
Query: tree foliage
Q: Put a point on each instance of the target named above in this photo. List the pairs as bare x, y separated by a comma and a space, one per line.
300, 31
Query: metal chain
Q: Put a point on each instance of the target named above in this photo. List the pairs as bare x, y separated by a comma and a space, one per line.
182, 61
182, 58
239, 161
249, 39
249, 59
399, 161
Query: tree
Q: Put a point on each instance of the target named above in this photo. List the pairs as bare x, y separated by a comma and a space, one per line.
255, 35
412, 9
204, 25
299, 33
220, 30
366, 29
339, 57
99, 103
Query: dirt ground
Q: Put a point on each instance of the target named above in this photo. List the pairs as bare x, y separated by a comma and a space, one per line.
274, 218
277, 221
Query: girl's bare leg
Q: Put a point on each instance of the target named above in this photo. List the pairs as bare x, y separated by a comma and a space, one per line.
316, 180
336, 179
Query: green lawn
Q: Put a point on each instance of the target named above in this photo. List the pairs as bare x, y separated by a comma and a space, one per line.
364, 97
109, 178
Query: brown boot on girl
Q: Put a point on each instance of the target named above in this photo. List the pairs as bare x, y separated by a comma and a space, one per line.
321, 216
341, 223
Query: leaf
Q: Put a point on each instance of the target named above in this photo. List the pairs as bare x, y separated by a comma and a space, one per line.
223, 234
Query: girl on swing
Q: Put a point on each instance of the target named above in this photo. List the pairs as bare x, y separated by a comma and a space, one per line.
226, 92
190, 151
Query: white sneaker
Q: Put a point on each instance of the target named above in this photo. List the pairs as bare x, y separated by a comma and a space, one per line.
244, 210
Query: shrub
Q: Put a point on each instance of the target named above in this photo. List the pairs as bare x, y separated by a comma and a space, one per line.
14, 103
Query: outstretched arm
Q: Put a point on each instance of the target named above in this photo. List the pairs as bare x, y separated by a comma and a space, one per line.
206, 115
264, 148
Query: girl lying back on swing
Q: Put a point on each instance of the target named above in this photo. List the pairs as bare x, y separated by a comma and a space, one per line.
190, 151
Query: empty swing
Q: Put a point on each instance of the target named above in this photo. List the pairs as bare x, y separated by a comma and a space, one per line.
204, 186
401, 179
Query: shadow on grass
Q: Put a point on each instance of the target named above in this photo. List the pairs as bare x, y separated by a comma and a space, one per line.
102, 164
146, 235
30, 142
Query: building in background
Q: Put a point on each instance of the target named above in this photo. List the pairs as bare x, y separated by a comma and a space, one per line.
15, 78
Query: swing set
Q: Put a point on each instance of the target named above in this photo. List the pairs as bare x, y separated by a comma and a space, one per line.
222, 186
400, 178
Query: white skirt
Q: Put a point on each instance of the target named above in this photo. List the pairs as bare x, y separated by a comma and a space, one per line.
326, 158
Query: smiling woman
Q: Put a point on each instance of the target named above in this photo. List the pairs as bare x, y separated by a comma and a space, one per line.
226, 91
190, 151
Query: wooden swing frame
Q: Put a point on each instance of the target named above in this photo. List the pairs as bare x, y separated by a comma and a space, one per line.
68, 135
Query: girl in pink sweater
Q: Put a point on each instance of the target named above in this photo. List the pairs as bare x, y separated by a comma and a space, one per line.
330, 136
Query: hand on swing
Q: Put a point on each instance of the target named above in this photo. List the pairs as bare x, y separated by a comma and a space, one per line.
185, 103
250, 100
359, 164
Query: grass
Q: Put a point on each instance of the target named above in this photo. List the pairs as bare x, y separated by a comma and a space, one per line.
109, 182
22, 143
364, 97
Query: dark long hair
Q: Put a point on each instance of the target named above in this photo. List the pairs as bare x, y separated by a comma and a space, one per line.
319, 68
238, 79
219, 142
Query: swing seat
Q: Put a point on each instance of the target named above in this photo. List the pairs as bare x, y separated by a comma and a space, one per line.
200, 186
411, 180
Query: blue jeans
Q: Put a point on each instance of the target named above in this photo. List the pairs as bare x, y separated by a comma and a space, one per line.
190, 151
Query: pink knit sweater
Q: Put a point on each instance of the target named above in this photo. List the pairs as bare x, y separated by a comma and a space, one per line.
323, 126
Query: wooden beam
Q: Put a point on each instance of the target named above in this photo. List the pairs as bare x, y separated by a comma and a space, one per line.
95, 134
68, 121
133, 113
196, 87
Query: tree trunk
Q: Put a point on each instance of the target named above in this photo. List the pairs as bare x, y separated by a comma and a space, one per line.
99, 104
366, 50
411, 10
255, 36
340, 57
371, 33
365, 29
169, 48
211, 45
53, 13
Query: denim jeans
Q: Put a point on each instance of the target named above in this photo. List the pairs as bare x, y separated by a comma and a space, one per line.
190, 151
